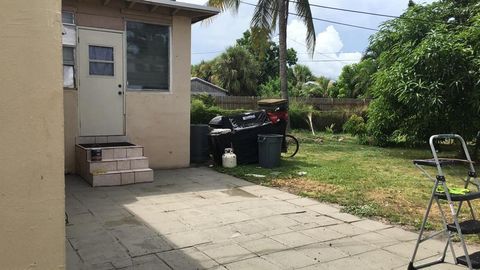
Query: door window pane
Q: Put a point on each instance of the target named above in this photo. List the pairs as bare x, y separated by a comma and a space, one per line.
102, 69
101, 60
148, 56
100, 53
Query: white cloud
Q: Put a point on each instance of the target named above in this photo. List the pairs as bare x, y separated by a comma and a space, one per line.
329, 58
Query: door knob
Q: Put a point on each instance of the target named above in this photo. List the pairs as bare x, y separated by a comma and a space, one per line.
120, 93
119, 86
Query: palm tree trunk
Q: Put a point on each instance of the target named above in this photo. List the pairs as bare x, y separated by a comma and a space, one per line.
282, 31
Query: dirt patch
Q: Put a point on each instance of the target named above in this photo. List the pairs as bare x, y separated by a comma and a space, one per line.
297, 185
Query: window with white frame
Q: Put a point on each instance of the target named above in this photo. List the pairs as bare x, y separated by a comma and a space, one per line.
69, 41
148, 56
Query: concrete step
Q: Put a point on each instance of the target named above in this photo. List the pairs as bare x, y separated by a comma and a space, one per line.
119, 164
111, 152
122, 177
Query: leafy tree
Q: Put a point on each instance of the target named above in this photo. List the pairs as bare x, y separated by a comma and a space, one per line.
237, 71
428, 73
356, 79
266, 16
302, 74
267, 54
203, 70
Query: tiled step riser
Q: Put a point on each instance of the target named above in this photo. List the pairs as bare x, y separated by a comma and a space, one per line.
117, 165
126, 178
111, 153
120, 152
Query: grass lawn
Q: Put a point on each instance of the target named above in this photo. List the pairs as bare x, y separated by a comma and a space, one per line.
368, 181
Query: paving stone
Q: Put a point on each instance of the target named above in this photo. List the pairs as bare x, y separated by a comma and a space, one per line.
187, 239
322, 234
322, 252
259, 212
147, 262
303, 201
293, 239
381, 259
323, 209
370, 225
169, 226
376, 239
347, 263
224, 254
347, 229
140, 240
289, 259
344, 217
405, 250
351, 246
222, 233
277, 221
314, 218
187, 259
252, 263
263, 246
250, 227
399, 234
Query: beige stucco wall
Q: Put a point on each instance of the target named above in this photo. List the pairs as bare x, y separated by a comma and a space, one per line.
157, 120
161, 121
32, 225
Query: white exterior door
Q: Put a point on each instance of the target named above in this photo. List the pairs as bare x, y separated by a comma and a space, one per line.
100, 72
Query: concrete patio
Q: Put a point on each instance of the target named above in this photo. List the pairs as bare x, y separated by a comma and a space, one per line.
197, 218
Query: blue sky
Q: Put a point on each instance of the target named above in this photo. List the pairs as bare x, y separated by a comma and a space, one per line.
337, 45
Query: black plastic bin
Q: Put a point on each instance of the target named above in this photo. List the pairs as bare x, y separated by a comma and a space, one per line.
269, 150
199, 143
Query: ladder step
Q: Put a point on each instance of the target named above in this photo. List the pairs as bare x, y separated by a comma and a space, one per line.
456, 198
474, 258
467, 227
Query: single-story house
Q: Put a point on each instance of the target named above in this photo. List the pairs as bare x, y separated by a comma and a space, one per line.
200, 86
126, 94
126, 79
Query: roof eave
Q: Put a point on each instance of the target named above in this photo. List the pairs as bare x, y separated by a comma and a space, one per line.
197, 12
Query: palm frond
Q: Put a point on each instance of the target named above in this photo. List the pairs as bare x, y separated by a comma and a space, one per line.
304, 11
265, 15
224, 5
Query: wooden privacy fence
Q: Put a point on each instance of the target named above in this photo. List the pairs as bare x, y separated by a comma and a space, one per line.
321, 104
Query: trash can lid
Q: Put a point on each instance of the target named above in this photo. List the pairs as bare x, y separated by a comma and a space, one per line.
272, 101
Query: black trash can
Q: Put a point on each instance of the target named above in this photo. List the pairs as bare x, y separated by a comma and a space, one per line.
269, 150
199, 143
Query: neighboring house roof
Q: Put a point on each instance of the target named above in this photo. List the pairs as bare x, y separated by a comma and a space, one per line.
198, 12
207, 87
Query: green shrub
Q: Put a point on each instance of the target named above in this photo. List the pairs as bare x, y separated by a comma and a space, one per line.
202, 114
355, 125
207, 99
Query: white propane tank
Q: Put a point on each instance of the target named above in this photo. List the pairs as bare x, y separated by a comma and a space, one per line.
229, 159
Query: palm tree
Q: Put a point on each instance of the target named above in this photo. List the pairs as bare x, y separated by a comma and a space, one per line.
267, 14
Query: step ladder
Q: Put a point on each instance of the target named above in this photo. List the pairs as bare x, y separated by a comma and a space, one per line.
455, 202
